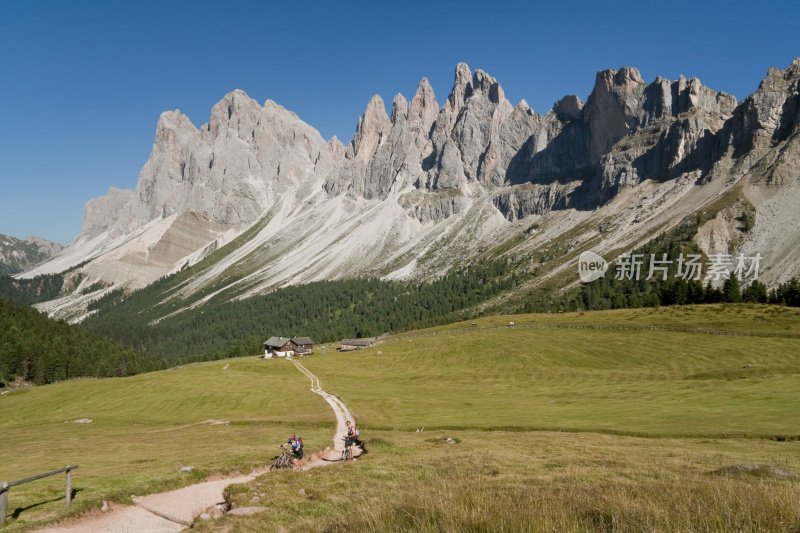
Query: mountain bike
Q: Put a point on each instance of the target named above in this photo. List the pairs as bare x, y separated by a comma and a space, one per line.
284, 460
346, 453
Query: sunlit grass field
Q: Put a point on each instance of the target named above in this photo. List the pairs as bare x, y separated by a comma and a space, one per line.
556, 429
560, 429
145, 428
721, 317
639, 382
532, 481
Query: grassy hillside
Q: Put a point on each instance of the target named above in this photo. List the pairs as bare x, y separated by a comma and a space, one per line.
741, 318
556, 428
533, 481
144, 428
640, 382
644, 430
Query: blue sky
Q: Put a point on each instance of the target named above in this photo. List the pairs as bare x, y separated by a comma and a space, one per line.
82, 83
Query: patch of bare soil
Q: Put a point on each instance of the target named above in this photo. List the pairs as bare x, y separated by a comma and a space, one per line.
749, 469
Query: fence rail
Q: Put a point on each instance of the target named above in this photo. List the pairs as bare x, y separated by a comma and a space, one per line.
6, 486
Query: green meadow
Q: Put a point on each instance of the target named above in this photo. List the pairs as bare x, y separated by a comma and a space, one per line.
560, 428
554, 428
532, 481
635, 382
145, 428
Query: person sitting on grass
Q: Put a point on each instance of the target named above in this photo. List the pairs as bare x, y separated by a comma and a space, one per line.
297, 448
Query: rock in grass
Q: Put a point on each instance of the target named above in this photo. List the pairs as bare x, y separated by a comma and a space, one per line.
186, 469
246, 511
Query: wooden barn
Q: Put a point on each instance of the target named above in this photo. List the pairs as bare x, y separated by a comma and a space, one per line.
303, 345
348, 345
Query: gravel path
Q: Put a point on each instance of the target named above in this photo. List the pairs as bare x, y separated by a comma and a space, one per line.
175, 510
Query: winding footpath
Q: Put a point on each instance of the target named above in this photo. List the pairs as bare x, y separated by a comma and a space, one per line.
168, 512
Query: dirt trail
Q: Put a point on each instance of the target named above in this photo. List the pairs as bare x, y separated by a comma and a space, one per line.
339, 408
172, 511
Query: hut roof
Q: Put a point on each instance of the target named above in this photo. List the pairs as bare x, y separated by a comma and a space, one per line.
276, 342
358, 342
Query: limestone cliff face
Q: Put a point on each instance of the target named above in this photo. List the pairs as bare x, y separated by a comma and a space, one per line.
100, 213
229, 171
234, 168
386, 153
666, 128
420, 175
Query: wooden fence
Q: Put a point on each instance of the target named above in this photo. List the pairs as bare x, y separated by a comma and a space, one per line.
6, 486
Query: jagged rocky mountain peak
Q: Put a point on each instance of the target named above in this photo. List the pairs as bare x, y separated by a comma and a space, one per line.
424, 107
173, 130
235, 108
423, 185
568, 108
100, 213
399, 108
336, 148
769, 115
424, 94
462, 87
484, 83
780, 79
373, 127
628, 75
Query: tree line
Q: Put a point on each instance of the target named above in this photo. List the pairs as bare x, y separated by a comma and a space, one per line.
36, 348
610, 292
33, 290
324, 310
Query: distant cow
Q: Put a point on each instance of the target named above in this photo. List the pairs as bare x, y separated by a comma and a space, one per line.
512, 324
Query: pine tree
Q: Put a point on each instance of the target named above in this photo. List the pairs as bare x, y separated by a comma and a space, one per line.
730, 290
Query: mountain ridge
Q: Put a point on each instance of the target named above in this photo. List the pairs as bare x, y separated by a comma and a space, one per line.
424, 188
17, 255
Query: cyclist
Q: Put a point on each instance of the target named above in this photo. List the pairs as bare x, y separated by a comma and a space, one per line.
297, 448
351, 436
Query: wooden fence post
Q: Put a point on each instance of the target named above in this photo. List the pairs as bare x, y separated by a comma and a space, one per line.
69, 486
3, 502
